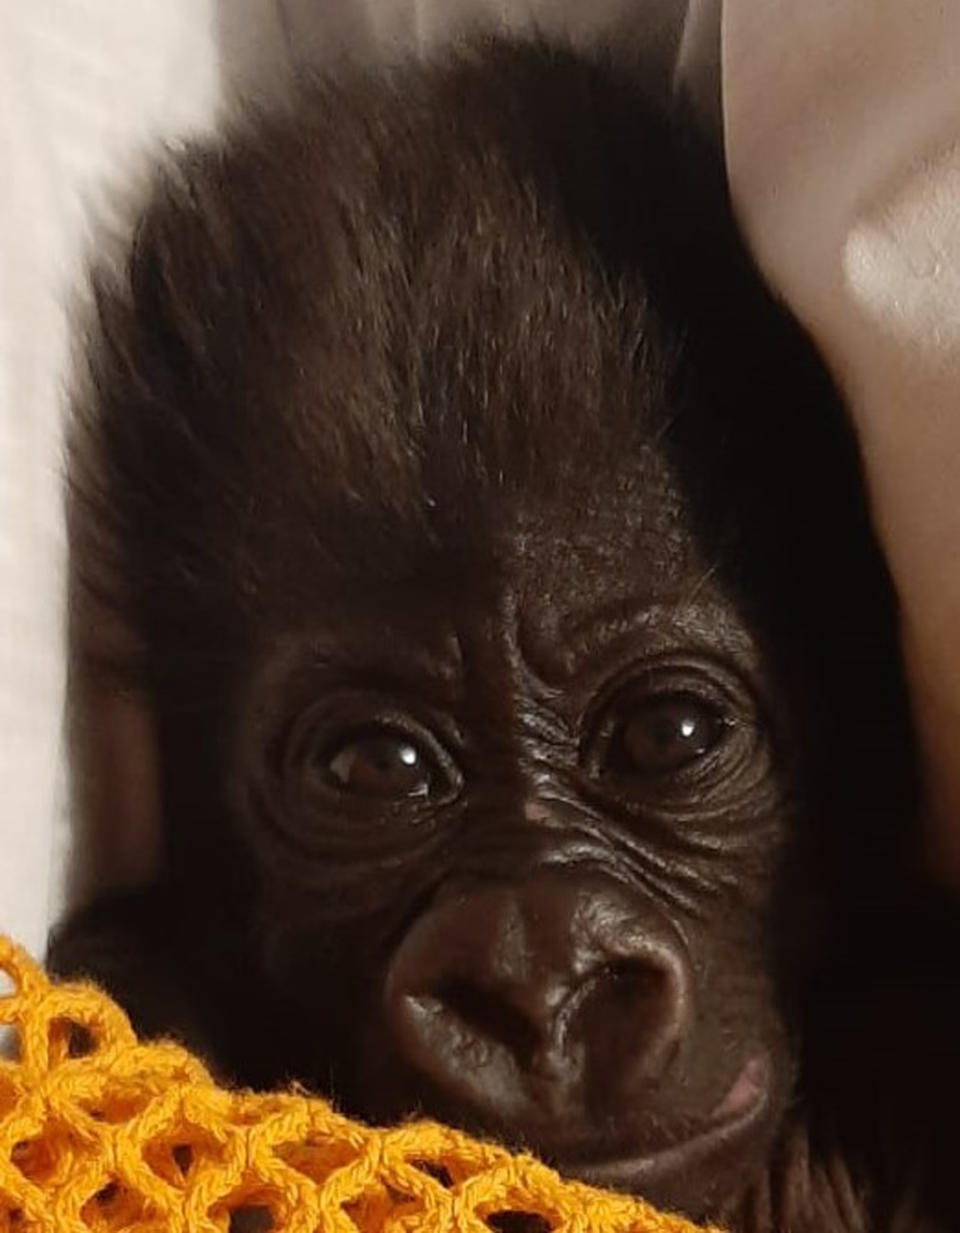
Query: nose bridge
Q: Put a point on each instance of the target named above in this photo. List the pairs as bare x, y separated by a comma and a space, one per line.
582, 918
553, 924
542, 949
511, 705
492, 668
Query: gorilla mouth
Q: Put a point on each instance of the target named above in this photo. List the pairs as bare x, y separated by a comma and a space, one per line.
735, 1119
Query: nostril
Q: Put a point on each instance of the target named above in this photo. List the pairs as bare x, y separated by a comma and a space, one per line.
633, 985
631, 1008
491, 1017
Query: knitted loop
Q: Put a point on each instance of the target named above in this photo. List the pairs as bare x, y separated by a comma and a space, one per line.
100, 1133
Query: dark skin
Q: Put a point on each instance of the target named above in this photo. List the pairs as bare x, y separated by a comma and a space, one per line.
489, 555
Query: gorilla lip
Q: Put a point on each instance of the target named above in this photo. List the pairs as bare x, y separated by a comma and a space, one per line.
741, 1109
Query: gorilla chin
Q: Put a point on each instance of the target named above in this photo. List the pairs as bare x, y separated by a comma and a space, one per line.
681, 1164
689, 1167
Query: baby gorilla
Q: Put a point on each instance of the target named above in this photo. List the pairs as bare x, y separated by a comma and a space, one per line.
490, 555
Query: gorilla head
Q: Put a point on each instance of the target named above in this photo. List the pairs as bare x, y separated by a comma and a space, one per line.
491, 560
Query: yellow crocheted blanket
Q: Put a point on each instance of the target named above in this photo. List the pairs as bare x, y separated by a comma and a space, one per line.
100, 1132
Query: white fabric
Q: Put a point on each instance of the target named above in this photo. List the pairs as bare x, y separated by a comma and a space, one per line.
83, 85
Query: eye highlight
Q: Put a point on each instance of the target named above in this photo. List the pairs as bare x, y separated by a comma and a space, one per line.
665, 732
382, 764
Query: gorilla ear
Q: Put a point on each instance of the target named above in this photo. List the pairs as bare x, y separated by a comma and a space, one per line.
116, 832
114, 797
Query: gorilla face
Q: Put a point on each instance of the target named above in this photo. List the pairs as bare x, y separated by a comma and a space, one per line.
532, 823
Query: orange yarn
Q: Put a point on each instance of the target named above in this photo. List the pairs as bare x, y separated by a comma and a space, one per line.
100, 1132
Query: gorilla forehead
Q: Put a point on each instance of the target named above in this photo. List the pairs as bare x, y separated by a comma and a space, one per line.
480, 360
385, 330
388, 298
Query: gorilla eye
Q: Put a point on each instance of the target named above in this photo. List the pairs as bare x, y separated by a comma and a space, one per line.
385, 764
679, 735
666, 733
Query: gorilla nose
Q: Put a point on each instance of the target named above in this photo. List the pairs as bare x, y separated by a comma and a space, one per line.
566, 992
